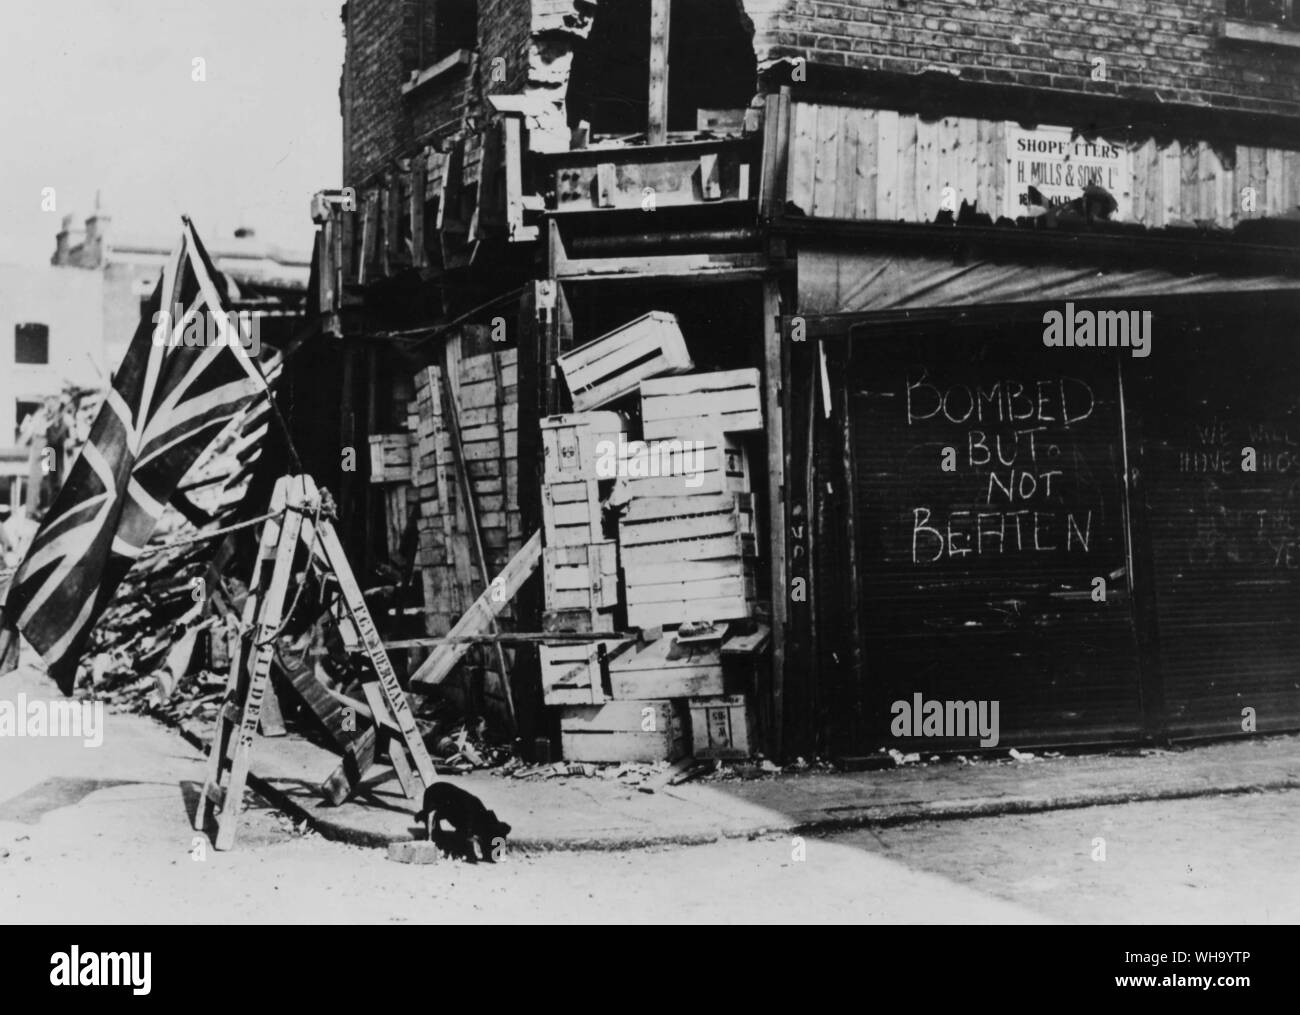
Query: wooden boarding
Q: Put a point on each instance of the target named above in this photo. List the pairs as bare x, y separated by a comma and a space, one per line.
664, 669
572, 443
645, 731
730, 399
615, 364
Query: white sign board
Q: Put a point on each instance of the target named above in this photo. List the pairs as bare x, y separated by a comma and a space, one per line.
1060, 165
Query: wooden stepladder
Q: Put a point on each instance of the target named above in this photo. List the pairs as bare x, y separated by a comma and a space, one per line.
297, 524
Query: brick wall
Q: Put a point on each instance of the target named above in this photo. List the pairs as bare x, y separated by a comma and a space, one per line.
1161, 51
383, 123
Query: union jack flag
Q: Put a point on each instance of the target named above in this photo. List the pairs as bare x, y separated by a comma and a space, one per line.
171, 397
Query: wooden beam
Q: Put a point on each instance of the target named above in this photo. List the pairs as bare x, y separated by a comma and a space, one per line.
479, 616
774, 374
657, 129
735, 265
419, 185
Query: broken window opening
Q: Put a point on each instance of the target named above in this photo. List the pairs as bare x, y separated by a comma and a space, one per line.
444, 26
711, 66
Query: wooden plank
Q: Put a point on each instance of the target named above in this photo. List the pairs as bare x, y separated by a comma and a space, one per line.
1274, 163
889, 140
803, 155
676, 591
679, 267
948, 170
926, 185
866, 169
419, 187
1170, 184
369, 228
1142, 160
774, 380
1189, 185
768, 193
668, 614
479, 616
907, 169
826, 161
686, 571
657, 128
968, 160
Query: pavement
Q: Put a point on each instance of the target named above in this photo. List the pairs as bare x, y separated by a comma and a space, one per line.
577, 813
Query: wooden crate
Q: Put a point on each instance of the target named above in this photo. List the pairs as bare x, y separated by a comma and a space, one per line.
688, 558
722, 727
674, 519
581, 577
571, 513
571, 443
665, 669
614, 365
729, 399
390, 458
571, 673
646, 731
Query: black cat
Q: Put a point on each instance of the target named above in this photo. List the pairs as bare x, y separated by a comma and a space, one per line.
466, 813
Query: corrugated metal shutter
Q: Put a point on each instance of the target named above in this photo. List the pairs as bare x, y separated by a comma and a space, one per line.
1225, 542
976, 584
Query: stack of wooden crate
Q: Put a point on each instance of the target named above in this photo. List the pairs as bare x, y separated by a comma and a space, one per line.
390, 468
485, 390
686, 543
688, 534
579, 565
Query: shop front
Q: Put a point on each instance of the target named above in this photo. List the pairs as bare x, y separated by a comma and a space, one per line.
1072, 544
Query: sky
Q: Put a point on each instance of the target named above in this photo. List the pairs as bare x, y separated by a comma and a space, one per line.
99, 95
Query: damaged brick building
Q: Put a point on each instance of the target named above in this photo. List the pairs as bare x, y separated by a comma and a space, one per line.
870, 205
